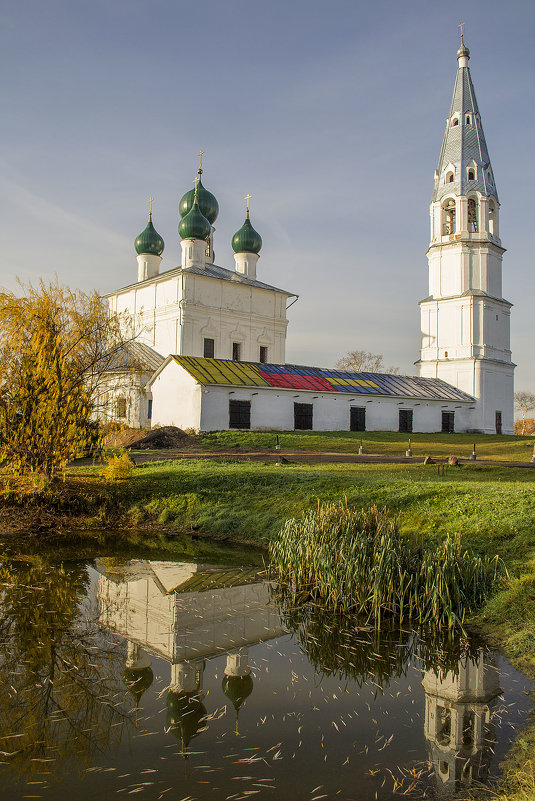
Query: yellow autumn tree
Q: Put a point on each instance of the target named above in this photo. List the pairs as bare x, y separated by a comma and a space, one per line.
56, 347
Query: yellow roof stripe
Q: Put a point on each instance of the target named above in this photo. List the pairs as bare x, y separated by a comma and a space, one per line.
351, 382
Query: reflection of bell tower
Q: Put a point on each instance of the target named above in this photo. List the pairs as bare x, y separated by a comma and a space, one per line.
137, 675
237, 682
185, 711
458, 722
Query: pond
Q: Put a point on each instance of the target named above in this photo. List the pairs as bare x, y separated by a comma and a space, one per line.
191, 680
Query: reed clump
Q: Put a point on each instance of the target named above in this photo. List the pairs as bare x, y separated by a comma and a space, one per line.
355, 560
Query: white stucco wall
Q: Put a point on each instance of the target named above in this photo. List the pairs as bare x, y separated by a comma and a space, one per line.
175, 311
179, 400
176, 398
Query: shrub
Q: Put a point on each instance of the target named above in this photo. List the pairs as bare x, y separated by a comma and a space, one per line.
119, 466
356, 560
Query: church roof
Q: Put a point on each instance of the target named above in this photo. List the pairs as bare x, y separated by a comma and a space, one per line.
210, 271
136, 356
464, 142
291, 376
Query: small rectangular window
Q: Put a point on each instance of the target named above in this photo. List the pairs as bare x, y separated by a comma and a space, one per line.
149, 409
405, 421
236, 351
303, 413
209, 348
357, 419
498, 422
120, 408
448, 422
263, 354
239, 413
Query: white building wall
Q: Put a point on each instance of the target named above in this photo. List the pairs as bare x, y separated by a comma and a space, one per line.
176, 399
176, 311
180, 401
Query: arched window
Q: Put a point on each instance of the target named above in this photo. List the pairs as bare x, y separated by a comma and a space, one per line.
448, 217
471, 175
454, 122
472, 215
449, 177
493, 219
468, 119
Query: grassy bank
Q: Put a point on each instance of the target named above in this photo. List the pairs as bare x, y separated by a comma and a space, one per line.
386, 443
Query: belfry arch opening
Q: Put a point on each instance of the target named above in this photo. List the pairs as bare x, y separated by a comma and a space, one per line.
472, 215
448, 217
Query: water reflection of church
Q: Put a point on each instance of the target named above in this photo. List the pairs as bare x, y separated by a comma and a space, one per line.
459, 722
186, 614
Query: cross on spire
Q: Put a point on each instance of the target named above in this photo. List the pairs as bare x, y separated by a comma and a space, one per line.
247, 198
150, 208
461, 26
201, 154
196, 182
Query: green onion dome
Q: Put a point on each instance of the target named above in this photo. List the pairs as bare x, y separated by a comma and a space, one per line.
149, 240
247, 240
207, 203
194, 224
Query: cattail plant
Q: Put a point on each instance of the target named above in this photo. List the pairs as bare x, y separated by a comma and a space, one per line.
356, 560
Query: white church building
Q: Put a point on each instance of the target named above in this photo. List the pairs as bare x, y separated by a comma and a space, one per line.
210, 341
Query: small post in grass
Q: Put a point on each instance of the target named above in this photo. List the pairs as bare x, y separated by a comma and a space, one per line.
408, 452
473, 456
277, 443
361, 449
533, 457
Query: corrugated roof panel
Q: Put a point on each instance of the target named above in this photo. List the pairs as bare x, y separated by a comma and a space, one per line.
291, 376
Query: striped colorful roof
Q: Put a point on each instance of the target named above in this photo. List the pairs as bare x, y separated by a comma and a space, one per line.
291, 376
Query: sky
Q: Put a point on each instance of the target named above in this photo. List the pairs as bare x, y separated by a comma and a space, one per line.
331, 115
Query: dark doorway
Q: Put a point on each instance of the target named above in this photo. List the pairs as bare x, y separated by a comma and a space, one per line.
357, 418
448, 422
303, 416
405, 421
209, 348
498, 422
239, 413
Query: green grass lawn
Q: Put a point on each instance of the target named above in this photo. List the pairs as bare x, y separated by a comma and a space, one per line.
504, 448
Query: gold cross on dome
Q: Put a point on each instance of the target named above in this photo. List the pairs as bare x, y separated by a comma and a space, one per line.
196, 182
150, 207
201, 154
461, 26
248, 198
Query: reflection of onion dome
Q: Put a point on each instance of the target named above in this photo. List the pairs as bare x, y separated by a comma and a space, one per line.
247, 240
137, 680
237, 689
207, 203
194, 225
149, 240
185, 715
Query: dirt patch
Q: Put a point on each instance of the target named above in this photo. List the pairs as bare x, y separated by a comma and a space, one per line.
140, 439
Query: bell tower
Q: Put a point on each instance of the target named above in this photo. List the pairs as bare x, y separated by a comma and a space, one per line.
465, 321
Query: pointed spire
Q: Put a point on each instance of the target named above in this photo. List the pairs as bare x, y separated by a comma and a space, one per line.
464, 163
